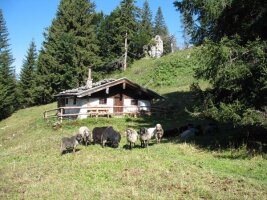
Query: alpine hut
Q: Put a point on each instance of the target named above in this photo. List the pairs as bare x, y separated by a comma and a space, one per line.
106, 97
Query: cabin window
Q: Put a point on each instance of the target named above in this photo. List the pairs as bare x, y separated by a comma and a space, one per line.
74, 101
103, 101
134, 102
66, 101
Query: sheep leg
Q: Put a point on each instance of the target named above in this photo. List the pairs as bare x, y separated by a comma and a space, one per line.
130, 145
61, 149
103, 143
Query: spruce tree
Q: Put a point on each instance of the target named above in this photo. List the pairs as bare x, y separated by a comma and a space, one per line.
112, 35
232, 57
146, 18
70, 47
145, 32
111, 49
216, 19
129, 26
27, 82
160, 28
7, 73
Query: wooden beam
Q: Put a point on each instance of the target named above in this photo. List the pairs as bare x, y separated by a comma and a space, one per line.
107, 90
124, 85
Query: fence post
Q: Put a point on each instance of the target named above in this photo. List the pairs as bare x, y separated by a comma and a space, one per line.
61, 115
45, 115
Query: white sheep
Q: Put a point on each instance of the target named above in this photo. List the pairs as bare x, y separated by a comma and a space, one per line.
145, 135
86, 135
132, 136
159, 132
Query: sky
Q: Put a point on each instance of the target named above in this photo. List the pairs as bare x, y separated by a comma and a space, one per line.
26, 20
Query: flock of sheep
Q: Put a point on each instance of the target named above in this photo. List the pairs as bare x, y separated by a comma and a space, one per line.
108, 136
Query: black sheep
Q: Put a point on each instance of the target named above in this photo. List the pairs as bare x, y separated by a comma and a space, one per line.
106, 135
171, 133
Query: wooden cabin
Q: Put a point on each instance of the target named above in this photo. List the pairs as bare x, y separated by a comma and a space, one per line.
107, 97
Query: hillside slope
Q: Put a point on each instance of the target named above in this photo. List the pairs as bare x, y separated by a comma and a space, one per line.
173, 72
32, 168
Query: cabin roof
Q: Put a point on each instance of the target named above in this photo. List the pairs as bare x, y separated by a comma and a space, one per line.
103, 84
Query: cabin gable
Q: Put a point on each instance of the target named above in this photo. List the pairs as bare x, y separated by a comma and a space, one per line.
118, 97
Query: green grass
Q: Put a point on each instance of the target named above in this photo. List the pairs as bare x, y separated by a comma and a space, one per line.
31, 166
174, 70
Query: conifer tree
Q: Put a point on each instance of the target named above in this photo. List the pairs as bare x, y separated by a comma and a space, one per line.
111, 49
129, 26
145, 32
70, 47
160, 28
232, 57
7, 74
146, 18
113, 31
27, 82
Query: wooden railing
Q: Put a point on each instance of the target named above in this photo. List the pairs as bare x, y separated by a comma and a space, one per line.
97, 111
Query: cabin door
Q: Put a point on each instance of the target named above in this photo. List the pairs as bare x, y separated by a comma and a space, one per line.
118, 104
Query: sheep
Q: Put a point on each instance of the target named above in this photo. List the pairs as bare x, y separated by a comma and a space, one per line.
145, 136
97, 134
211, 129
131, 136
171, 133
86, 135
111, 136
185, 127
191, 132
158, 132
70, 143
105, 135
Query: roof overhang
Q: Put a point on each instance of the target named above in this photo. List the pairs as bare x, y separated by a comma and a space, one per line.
123, 80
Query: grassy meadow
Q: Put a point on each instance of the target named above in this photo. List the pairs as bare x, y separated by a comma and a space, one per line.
31, 166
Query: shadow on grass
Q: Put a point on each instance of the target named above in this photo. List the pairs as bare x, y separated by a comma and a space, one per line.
70, 151
227, 136
137, 146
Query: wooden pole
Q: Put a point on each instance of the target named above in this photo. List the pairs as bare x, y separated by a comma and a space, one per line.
61, 115
126, 52
45, 115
